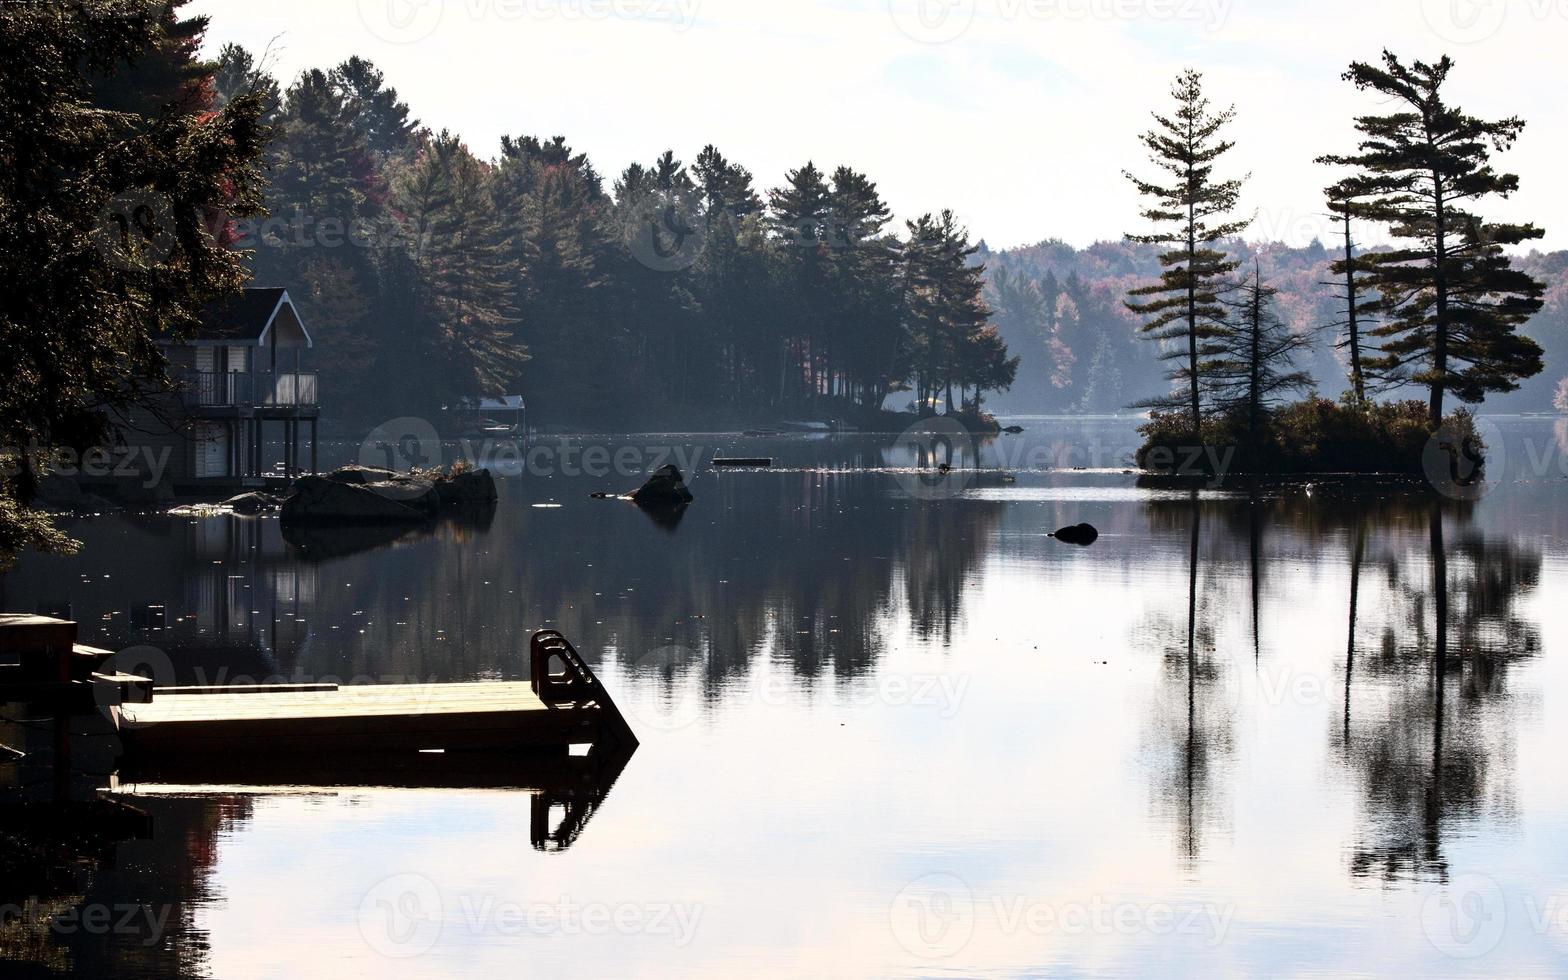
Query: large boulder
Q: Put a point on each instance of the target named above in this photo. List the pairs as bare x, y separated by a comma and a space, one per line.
665, 486
254, 502
466, 488
319, 499
359, 475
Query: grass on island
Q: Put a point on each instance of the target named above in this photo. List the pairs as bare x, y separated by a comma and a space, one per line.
1314, 435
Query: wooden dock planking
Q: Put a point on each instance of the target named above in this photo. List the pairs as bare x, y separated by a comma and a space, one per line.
369, 718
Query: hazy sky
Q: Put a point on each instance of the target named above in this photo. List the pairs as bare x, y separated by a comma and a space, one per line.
1018, 114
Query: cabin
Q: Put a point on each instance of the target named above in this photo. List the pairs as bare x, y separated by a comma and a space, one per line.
245, 410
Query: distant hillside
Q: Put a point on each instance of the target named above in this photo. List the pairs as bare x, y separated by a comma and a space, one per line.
1060, 309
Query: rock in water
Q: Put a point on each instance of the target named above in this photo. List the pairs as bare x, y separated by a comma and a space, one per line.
467, 488
665, 486
254, 502
1079, 534
317, 498
359, 474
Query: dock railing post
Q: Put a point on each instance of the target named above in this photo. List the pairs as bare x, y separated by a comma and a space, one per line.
574, 682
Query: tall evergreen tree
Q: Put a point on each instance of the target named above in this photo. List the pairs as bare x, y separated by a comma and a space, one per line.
326, 200
726, 187
1360, 302
946, 312
557, 212
105, 232
462, 276
865, 318
1451, 299
380, 118
166, 76
1186, 313
798, 213
237, 73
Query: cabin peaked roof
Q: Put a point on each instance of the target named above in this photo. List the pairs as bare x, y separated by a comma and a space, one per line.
247, 317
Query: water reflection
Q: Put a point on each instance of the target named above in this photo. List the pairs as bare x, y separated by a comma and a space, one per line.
1431, 743
1426, 723
1197, 612
1190, 732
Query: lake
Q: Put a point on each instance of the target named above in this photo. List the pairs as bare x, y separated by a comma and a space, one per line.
889, 726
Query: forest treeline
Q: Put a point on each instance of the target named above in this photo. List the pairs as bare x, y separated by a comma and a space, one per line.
675, 291
688, 291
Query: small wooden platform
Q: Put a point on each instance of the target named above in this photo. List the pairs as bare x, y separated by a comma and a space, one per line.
563, 704
372, 718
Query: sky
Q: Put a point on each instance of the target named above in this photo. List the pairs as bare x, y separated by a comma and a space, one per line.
1020, 115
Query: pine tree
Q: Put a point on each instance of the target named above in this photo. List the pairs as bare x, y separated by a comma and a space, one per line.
657, 213
948, 320
798, 214
87, 299
1360, 303
463, 276
864, 325
726, 188
1257, 364
1104, 378
167, 76
324, 236
1188, 314
559, 234
380, 118
238, 73
1451, 300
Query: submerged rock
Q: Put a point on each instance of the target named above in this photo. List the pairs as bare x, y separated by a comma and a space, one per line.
1079, 534
666, 485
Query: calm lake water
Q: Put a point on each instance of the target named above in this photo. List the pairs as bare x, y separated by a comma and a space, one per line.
889, 726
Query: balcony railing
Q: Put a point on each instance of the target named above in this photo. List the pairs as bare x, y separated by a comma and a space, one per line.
238, 389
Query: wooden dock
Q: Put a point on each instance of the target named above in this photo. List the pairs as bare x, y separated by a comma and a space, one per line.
563, 704
373, 718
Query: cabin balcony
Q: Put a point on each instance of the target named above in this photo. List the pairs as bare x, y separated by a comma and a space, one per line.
234, 392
